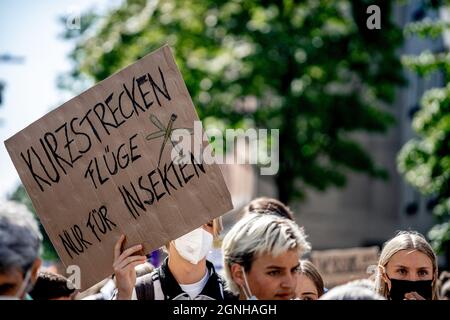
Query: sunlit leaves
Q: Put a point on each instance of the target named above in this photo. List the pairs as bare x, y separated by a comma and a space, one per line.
305, 68
425, 160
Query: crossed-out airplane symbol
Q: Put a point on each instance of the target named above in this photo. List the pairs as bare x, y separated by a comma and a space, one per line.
165, 132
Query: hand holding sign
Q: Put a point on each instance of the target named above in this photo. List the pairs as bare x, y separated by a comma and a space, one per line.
124, 268
94, 169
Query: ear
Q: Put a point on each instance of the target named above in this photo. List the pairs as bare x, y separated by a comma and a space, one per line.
237, 275
35, 269
382, 271
171, 249
209, 227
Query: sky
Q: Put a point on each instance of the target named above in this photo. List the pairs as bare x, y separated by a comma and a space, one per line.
31, 29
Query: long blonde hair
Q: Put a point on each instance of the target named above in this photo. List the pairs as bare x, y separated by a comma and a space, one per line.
404, 240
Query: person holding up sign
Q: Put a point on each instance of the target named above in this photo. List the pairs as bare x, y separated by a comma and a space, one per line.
184, 275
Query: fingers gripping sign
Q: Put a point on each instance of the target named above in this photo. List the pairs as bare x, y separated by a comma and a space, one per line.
124, 263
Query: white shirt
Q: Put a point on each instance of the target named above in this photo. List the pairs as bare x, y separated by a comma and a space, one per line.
194, 289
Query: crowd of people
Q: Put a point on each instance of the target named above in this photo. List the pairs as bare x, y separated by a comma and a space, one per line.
263, 259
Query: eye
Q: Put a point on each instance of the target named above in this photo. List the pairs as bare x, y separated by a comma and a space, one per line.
402, 271
423, 273
273, 273
307, 298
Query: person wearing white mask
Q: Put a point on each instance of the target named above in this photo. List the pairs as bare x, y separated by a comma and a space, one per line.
184, 275
261, 256
20, 245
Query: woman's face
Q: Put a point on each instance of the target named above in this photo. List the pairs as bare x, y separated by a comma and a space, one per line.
306, 289
411, 265
270, 278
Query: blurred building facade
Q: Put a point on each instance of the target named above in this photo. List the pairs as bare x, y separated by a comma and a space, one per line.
367, 211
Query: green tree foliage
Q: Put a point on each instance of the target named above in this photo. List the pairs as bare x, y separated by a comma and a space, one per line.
425, 160
311, 69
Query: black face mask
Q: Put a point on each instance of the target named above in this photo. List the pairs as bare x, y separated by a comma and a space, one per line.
400, 287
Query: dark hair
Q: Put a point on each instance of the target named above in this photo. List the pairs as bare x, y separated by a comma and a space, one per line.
309, 269
266, 205
51, 286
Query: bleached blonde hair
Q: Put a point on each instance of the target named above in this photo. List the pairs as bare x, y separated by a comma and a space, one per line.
256, 235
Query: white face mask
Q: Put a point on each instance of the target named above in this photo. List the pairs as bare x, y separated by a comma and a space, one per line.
195, 245
25, 287
247, 292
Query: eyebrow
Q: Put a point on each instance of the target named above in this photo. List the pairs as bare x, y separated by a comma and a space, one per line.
309, 292
281, 268
423, 268
274, 267
402, 266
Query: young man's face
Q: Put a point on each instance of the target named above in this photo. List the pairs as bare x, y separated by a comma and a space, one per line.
176, 255
272, 278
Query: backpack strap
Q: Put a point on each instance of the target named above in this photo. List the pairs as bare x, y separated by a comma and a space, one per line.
148, 287
145, 288
158, 291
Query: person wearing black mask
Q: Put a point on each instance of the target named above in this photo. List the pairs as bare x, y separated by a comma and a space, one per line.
407, 268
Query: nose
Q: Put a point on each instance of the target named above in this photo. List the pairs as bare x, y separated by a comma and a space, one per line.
413, 277
290, 280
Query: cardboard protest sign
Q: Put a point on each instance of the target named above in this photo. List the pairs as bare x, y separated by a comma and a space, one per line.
339, 266
100, 166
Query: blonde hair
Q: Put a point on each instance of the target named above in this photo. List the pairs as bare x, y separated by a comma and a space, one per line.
258, 234
217, 227
405, 240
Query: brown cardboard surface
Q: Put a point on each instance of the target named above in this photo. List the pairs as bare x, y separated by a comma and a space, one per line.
100, 166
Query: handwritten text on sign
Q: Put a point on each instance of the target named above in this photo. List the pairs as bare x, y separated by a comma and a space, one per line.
100, 165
